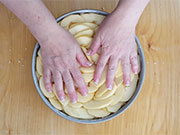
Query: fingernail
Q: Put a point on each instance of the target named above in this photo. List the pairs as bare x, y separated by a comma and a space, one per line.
110, 87
136, 72
96, 81
89, 63
89, 52
73, 100
127, 83
61, 99
49, 90
84, 93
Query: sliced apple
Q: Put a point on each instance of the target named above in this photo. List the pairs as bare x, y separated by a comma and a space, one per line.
84, 41
130, 90
88, 70
91, 25
77, 112
92, 89
93, 18
87, 77
84, 99
98, 112
87, 32
85, 52
65, 102
78, 28
38, 75
75, 105
43, 89
39, 66
101, 90
102, 80
95, 58
107, 94
118, 80
94, 104
118, 95
115, 107
71, 19
55, 103
119, 70
39, 53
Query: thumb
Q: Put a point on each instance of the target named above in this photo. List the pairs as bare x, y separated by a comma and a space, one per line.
82, 58
94, 46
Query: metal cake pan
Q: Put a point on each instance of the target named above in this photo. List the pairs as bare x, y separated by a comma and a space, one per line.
97, 120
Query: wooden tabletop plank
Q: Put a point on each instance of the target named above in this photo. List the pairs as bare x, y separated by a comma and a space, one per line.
156, 110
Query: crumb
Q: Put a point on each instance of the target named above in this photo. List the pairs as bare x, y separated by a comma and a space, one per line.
25, 49
103, 9
155, 63
9, 61
19, 61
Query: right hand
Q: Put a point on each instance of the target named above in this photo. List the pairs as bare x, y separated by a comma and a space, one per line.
60, 54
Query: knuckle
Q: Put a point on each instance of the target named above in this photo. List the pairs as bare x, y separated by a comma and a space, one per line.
135, 66
78, 77
67, 81
100, 64
133, 57
56, 77
106, 50
112, 68
47, 85
46, 77
125, 64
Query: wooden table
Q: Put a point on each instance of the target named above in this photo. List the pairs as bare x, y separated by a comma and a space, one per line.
156, 110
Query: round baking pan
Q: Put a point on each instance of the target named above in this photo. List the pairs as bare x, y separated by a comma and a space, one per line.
95, 120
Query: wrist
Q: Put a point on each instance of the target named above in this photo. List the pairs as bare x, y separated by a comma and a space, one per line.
127, 18
124, 21
130, 11
43, 32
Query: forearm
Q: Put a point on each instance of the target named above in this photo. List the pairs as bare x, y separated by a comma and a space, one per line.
131, 10
35, 15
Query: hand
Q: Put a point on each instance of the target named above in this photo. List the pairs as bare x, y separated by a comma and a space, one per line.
116, 38
60, 53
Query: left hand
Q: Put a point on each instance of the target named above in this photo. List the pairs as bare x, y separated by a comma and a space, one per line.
116, 37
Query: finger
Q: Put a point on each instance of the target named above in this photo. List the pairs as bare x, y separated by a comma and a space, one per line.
77, 76
126, 70
82, 59
47, 79
134, 61
111, 72
59, 85
69, 85
94, 46
100, 67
